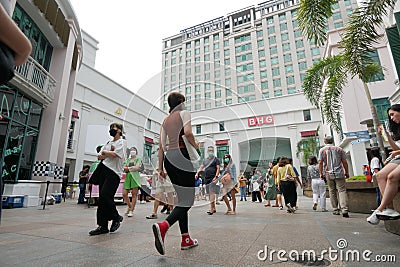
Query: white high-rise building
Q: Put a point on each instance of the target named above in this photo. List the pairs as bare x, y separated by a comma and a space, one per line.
254, 53
242, 75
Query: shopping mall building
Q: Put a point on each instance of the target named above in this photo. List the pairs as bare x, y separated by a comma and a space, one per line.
37, 102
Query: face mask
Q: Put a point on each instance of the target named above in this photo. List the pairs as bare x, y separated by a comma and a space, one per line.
211, 154
226, 160
133, 153
113, 132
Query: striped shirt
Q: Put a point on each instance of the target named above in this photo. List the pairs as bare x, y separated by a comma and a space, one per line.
332, 157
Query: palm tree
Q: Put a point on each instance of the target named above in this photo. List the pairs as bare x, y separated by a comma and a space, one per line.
308, 147
324, 82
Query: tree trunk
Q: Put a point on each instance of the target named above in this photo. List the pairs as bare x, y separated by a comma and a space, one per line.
375, 120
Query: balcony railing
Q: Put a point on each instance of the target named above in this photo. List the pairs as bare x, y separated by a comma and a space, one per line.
36, 76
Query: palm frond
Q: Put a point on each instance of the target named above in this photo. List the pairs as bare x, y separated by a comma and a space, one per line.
361, 34
313, 16
332, 73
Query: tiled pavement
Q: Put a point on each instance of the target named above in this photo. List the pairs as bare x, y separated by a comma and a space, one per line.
58, 236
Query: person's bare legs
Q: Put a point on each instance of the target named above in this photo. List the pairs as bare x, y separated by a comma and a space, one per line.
390, 190
233, 195
134, 198
157, 199
382, 177
125, 196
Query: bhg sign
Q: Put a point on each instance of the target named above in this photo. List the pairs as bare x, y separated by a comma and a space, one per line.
260, 120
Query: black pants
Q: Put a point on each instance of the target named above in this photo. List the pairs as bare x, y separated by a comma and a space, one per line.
256, 195
108, 185
180, 171
288, 189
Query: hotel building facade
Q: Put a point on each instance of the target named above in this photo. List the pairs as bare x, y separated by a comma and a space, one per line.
242, 75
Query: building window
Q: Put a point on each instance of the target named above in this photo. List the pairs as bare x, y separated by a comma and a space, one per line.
197, 42
287, 58
263, 63
216, 46
286, 47
270, 20
283, 27
266, 95
307, 115
264, 85
260, 43
208, 105
228, 101
221, 126
290, 80
197, 107
198, 129
278, 93
41, 48
336, 16
277, 82
338, 25
272, 40
285, 36
297, 33
302, 65
206, 40
261, 53
301, 54
315, 51
289, 68
381, 105
374, 56
218, 94
260, 33
271, 30
273, 50
291, 90
148, 124
274, 61
275, 71
299, 43
221, 151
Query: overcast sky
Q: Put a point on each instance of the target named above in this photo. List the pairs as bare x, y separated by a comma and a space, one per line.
130, 33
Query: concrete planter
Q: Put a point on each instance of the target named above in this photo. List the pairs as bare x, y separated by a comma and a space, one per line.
361, 196
308, 192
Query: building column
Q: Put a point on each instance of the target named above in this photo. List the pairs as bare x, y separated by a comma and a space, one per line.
81, 136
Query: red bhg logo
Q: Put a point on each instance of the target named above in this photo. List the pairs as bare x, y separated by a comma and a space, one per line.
260, 120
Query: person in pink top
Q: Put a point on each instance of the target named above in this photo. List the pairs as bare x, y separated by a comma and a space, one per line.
174, 157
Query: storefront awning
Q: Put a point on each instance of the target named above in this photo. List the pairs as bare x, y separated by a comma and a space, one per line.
148, 140
222, 142
75, 114
308, 133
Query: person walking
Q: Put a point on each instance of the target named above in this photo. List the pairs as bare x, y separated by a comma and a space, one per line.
271, 190
174, 157
242, 185
274, 171
229, 188
83, 179
255, 182
317, 183
112, 155
132, 180
287, 179
164, 192
333, 165
211, 166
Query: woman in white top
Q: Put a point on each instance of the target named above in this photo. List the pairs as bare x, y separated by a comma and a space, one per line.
112, 156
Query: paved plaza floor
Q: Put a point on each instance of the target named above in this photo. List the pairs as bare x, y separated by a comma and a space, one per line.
58, 236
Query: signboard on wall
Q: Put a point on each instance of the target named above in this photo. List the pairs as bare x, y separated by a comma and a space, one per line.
260, 120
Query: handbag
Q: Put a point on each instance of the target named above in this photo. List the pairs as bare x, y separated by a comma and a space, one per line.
7, 63
193, 154
226, 178
97, 175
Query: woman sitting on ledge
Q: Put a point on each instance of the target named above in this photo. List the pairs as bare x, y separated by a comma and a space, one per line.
388, 178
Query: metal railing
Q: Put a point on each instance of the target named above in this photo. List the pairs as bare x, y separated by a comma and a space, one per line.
36, 76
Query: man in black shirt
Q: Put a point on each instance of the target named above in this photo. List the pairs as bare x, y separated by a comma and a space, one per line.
211, 166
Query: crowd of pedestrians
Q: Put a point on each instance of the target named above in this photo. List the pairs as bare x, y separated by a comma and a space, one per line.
175, 184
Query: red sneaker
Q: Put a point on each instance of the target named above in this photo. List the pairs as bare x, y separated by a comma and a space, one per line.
188, 243
159, 231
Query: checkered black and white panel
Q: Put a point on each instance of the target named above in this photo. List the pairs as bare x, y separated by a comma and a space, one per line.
40, 168
59, 172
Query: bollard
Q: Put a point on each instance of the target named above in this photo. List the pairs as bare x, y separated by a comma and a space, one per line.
45, 195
